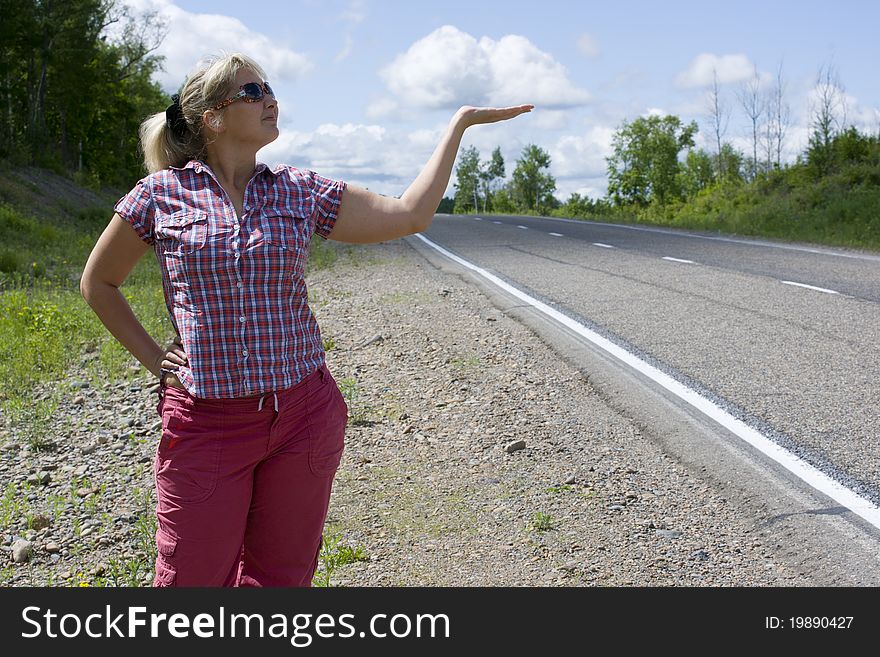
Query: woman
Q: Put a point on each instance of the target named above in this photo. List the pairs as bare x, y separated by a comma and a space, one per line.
252, 421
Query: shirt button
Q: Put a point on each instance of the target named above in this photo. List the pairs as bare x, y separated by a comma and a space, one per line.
244, 352
239, 285
241, 319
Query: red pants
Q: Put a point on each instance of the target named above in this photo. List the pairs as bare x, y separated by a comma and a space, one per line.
244, 484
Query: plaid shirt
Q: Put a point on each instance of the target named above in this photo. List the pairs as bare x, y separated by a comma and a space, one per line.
234, 285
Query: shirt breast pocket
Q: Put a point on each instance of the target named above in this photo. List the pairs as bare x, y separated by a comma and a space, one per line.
287, 237
185, 231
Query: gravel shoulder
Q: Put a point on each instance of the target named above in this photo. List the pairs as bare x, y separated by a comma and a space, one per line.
475, 456
486, 460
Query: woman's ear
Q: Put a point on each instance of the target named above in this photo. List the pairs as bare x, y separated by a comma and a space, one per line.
212, 120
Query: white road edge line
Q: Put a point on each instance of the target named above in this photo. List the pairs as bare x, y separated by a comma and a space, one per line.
497, 222
523, 227
604, 246
557, 234
687, 262
811, 287
793, 463
478, 218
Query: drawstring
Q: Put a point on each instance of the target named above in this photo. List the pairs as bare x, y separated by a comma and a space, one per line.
260, 407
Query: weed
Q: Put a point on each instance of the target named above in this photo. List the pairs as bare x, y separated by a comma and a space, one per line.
32, 421
333, 556
469, 361
543, 522
357, 413
329, 344
10, 506
125, 572
556, 490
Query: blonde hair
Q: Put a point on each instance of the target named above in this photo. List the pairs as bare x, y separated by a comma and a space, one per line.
206, 87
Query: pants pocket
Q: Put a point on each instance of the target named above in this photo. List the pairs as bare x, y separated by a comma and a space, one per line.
166, 573
187, 460
327, 430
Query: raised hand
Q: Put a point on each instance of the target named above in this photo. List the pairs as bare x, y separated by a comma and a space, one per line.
477, 115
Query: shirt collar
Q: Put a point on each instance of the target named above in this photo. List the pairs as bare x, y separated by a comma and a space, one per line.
202, 167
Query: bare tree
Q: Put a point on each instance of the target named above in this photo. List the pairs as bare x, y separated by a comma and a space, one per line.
719, 115
778, 121
754, 105
829, 107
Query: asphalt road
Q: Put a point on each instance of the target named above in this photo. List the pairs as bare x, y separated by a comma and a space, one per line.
785, 337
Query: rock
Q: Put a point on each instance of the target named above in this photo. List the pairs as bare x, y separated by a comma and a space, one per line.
80, 385
515, 446
366, 343
700, 555
79, 400
81, 471
86, 532
126, 421
570, 480
88, 449
615, 507
33, 480
40, 521
21, 551
668, 533
52, 547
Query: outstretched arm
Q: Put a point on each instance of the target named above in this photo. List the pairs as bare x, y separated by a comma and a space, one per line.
365, 217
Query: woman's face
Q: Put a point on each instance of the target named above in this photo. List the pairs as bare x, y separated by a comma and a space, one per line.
254, 124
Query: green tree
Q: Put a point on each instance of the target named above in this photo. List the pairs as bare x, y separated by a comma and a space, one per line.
697, 172
644, 166
71, 96
581, 206
734, 163
531, 187
467, 184
490, 172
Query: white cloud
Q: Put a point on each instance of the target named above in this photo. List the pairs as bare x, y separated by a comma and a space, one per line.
355, 12
589, 46
582, 156
192, 36
347, 47
449, 68
729, 68
366, 155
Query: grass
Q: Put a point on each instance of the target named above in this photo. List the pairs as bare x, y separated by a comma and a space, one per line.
358, 412
334, 555
543, 522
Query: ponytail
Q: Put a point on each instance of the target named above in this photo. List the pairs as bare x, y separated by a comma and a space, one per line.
162, 147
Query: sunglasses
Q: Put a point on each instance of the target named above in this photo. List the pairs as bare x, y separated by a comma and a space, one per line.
252, 92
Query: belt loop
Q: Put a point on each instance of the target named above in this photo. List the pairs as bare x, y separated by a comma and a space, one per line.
260, 405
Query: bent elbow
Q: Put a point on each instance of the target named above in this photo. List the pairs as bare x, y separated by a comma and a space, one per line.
84, 288
421, 221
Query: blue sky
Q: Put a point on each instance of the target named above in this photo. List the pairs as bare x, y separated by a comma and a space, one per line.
365, 87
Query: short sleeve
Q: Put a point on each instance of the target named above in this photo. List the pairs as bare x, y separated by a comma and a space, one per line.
138, 209
327, 195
